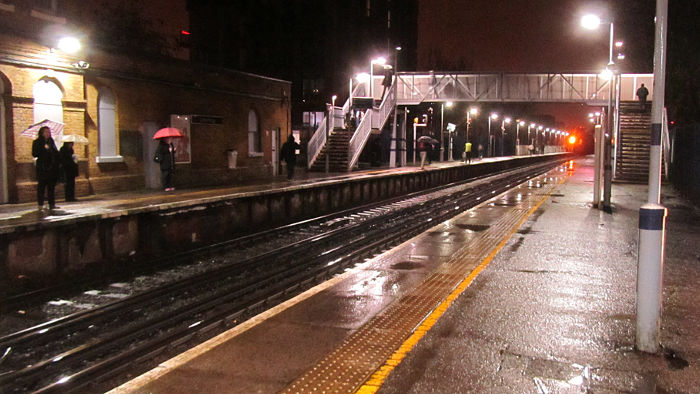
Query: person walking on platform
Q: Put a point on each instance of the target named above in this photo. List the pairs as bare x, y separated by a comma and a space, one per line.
69, 166
468, 153
165, 156
642, 94
289, 155
47, 167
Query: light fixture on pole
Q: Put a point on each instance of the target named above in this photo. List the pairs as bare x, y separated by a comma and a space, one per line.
472, 112
592, 22
517, 136
506, 120
393, 146
493, 116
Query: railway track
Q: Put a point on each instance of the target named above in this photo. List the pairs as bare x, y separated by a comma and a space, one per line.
73, 352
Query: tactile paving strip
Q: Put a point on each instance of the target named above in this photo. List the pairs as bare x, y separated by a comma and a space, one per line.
381, 341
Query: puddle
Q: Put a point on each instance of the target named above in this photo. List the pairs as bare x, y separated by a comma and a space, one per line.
406, 265
473, 227
674, 361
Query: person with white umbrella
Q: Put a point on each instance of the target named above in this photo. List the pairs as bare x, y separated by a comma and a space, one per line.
69, 163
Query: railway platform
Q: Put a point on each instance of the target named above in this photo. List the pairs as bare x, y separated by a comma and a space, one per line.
530, 291
101, 234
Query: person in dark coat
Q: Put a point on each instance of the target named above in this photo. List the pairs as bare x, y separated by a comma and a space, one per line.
165, 155
289, 155
642, 94
47, 167
387, 81
69, 165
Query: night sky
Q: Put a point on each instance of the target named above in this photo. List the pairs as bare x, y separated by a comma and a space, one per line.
530, 35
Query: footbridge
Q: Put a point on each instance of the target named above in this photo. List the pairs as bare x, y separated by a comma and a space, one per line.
410, 88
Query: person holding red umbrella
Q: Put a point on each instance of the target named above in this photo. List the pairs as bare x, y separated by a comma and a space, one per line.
165, 156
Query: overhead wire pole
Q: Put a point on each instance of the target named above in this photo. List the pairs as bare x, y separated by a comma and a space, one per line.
652, 215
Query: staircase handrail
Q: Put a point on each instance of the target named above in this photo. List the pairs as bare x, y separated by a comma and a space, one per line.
318, 140
665, 142
372, 117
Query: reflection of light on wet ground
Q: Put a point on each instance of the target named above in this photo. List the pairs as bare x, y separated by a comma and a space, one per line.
371, 286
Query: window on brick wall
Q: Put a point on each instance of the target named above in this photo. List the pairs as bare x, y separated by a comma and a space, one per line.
48, 102
107, 127
254, 148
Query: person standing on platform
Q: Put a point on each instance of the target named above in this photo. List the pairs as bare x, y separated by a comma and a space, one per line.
47, 167
289, 155
165, 156
69, 165
468, 152
642, 94
423, 151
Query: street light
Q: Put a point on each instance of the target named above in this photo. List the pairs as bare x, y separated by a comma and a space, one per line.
472, 112
493, 116
517, 135
504, 122
592, 22
442, 129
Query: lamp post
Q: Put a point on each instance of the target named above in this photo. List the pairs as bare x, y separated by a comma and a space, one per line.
517, 135
537, 136
592, 22
493, 116
442, 128
392, 149
472, 112
504, 122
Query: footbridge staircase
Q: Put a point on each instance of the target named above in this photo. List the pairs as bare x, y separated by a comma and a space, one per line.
342, 141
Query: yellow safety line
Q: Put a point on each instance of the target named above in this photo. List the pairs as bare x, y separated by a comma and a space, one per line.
373, 384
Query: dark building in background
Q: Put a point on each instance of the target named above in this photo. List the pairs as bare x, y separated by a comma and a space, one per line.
318, 45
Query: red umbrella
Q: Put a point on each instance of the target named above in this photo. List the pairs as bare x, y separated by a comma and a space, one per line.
167, 132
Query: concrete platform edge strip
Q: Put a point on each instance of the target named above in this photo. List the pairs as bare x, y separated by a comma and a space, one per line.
374, 383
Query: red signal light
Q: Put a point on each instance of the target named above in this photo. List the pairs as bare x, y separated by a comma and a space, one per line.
572, 139
184, 32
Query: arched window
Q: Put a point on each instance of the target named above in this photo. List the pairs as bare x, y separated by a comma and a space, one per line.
253, 134
107, 127
47, 101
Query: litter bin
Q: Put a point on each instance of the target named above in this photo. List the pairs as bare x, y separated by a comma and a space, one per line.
232, 158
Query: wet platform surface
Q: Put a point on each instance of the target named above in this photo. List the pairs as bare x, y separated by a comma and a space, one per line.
533, 291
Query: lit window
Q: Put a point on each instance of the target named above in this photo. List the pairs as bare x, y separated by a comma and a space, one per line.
48, 102
253, 133
107, 127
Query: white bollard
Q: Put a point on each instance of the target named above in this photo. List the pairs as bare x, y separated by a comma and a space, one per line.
652, 224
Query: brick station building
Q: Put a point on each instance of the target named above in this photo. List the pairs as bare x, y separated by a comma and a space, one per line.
131, 77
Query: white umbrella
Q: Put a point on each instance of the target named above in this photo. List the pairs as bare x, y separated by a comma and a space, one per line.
78, 139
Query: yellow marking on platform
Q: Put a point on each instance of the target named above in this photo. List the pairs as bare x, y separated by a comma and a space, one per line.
373, 384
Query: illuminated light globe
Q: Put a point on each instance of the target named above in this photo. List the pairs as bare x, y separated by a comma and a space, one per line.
69, 44
590, 21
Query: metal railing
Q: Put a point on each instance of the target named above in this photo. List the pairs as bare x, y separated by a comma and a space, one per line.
316, 143
318, 140
373, 119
